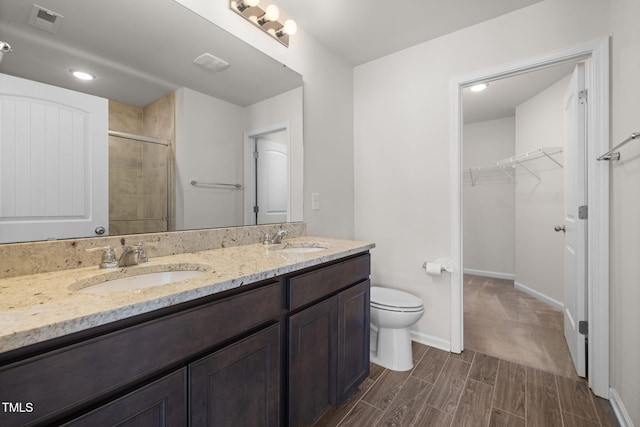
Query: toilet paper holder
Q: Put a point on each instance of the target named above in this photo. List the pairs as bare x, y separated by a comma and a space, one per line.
438, 266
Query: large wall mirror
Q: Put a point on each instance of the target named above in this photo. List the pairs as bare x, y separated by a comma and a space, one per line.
196, 128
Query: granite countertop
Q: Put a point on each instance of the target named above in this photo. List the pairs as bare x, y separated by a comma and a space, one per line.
39, 307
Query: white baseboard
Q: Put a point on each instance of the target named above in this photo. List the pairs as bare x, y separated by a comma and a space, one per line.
492, 274
619, 409
430, 340
539, 295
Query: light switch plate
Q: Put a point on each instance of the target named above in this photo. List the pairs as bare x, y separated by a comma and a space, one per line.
315, 201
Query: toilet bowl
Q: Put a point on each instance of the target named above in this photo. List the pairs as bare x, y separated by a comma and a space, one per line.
392, 313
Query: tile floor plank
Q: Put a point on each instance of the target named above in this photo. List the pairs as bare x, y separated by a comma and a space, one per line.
474, 408
432, 417
449, 385
408, 405
430, 365
363, 415
484, 369
500, 418
575, 398
510, 388
571, 420
605, 412
386, 389
542, 406
541, 378
466, 355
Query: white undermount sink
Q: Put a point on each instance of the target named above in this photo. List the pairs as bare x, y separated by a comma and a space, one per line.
134, 280
304, 247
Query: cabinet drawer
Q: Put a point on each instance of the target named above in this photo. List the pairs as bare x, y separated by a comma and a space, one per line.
315, 285
58, 381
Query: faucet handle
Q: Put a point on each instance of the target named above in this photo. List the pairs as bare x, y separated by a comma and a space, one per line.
267, 239
109, 259
279, 236
142, 255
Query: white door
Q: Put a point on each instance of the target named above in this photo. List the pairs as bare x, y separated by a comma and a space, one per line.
576, 228
53, 162
273, 181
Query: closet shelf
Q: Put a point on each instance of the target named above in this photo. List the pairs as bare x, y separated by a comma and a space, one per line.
518, 160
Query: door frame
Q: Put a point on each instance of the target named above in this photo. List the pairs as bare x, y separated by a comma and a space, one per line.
596, 55
249, 167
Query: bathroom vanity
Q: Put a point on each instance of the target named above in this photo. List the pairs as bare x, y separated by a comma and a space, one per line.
277, 338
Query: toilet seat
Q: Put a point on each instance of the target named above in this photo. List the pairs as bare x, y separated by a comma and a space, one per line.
395, 300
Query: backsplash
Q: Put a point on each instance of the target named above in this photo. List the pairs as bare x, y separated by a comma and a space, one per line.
20, 259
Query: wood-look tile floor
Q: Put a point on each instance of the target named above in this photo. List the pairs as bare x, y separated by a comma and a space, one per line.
469, 389
515, 371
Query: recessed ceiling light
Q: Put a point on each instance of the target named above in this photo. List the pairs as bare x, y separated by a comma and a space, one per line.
82, 75
479, 87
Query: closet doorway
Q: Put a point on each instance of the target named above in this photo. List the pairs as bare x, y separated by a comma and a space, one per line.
513, 195
527, 178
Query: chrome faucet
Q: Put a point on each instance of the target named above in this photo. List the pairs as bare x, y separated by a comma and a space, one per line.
279, 236
276, 239
131, 255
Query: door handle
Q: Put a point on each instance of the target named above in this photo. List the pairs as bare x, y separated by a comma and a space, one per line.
558, 228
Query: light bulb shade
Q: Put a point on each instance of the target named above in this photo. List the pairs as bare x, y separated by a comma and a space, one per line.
272, 13
82, 75
290, 27
479, 87
241, 5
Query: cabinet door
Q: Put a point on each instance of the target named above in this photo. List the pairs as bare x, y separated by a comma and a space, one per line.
312, 362
353, 339
238, 385
161, 403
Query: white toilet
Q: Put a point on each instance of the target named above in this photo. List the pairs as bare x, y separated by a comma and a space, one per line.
392, 313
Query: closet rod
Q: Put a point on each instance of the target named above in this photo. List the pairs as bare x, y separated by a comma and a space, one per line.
611, 155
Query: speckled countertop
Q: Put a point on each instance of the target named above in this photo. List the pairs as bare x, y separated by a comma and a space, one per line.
39, 307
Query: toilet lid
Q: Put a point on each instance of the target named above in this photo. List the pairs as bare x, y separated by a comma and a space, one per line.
386, 297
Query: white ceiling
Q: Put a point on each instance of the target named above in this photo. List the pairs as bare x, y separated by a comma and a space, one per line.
363, 30
139, 50
501, 98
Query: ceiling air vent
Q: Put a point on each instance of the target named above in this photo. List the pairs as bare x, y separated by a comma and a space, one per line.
45, 19
211, 63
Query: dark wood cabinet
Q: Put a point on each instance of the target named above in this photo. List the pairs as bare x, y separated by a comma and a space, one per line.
328, 340
279, 352
353, 339
238, 385
313, 346
159, 404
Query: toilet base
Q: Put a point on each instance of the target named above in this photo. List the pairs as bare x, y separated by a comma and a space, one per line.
393, 349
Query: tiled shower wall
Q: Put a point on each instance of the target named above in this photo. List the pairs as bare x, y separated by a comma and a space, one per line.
140, 189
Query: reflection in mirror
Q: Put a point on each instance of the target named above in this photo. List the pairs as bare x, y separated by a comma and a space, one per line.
170, 120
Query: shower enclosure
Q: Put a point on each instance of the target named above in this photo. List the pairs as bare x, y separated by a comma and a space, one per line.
139, 184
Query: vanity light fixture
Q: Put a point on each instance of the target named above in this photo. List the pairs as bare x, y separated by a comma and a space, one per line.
479, 87
82, 75
242, 5
272, 13
265, 19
